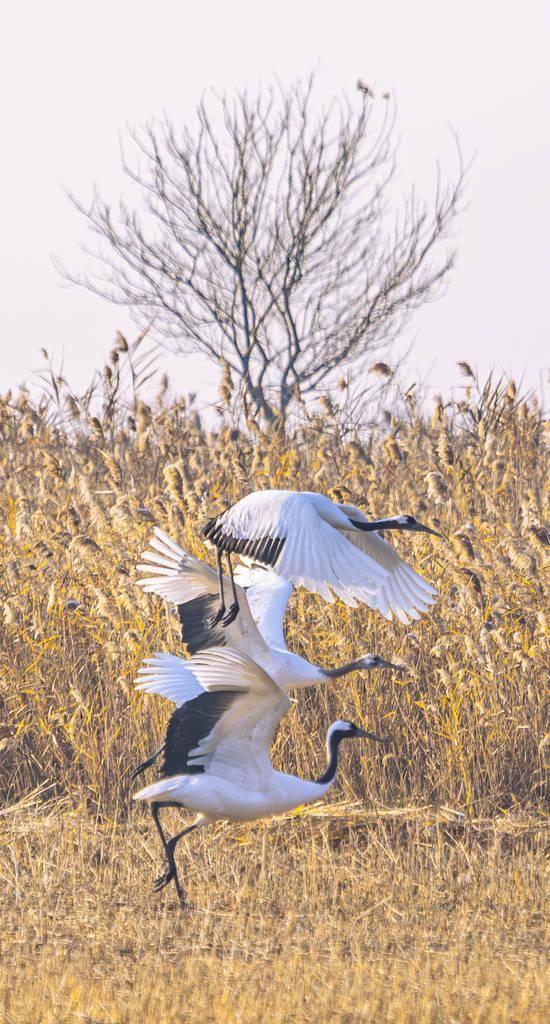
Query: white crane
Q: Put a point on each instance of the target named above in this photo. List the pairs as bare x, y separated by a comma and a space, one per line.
216, 753
331, 549
192, 585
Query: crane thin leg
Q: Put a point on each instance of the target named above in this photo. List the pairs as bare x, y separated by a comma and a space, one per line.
172, 872
155, 809
234, 609
221, 607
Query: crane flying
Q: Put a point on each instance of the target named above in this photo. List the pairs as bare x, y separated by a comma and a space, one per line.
329, 548
216, 753
258, 632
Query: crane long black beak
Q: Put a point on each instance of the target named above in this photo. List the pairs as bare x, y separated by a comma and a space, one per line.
370, 736
394, 668
420, 528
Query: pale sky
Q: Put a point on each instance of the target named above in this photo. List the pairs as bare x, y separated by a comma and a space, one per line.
72, 74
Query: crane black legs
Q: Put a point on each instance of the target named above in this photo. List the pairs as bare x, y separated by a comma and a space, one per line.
234, 609
169, 847
172, 872
226, 618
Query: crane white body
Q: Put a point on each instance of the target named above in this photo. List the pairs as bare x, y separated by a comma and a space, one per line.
215, 798
328, 548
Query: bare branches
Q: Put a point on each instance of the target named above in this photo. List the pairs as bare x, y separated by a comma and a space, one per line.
265, 239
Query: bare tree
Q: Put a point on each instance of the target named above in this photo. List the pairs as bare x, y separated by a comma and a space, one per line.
267, 241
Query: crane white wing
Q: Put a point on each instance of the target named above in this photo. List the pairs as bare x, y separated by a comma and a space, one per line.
320, 558
309, 551
405, 593
268, 596
192, 585
241, 713
238, 746
170, 677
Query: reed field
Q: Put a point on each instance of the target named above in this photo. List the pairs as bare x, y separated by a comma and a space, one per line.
417, 895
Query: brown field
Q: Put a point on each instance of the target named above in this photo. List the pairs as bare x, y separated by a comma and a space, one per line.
418, 894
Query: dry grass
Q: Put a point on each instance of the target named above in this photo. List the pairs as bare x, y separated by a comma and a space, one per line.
402, 921
434, 913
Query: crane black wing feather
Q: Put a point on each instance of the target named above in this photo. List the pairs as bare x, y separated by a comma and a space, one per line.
196, 629
265, 550
188, 725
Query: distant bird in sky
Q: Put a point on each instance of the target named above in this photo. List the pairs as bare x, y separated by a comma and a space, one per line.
216, 753
331, 549
258, 631
364, 88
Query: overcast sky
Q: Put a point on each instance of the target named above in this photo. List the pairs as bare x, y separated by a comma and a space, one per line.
72, 74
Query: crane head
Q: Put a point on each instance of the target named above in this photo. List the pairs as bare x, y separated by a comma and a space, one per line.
369, 661
342, 730
405, 522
